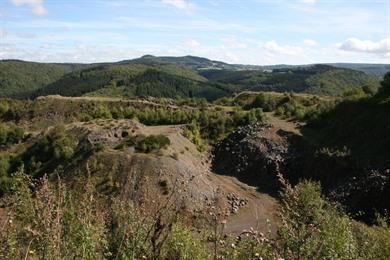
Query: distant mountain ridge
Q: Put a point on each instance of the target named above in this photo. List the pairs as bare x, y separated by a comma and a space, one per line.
192, 62
199, 63
187, 76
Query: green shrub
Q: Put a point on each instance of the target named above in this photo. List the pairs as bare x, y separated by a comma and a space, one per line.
52, 223
145, 144
57, 144
152, 143
313, 227
10, 134
102, 112
185, 245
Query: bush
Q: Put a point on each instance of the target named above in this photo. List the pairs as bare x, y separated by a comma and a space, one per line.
145, 144
184, 244
10, 134
152, 143
51, 223
57, 144
102, 112
313, 227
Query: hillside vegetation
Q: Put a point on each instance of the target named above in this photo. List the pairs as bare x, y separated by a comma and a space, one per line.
134, 80
21, 78
172, 77
317, 79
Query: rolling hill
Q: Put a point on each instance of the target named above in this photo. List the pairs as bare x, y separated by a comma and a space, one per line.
373, 69
316, 79
162, 80
192, 62
21, 78
187, 76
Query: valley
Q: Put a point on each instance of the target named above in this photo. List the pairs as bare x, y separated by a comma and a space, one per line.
159, 157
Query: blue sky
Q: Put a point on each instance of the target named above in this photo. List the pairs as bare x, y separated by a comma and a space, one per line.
246, 31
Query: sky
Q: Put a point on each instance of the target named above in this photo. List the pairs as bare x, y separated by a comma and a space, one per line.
260, 32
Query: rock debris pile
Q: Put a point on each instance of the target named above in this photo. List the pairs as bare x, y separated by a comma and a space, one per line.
235, 202
254, 153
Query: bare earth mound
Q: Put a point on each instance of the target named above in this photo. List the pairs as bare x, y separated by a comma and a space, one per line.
180, 170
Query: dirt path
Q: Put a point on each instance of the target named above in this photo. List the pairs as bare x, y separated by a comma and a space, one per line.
260, 213
285, 125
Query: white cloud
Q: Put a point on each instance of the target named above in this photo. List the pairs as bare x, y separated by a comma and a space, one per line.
180, 4
39, 10
308, 1
192, 44
37, 7
357, 45
3, 33
309, 42
274, 47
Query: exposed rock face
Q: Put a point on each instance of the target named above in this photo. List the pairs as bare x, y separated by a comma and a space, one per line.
253, 153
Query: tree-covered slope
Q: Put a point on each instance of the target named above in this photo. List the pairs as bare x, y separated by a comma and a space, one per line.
362, 126
317, 79
372, 69
163, 80
191, 62
187, 76
351, 152
20, 78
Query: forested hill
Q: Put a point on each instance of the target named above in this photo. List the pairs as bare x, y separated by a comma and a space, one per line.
316, 79
163, 80
193, 62
21, 78
187, 76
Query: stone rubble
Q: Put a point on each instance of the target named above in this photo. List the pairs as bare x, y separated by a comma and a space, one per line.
235, 202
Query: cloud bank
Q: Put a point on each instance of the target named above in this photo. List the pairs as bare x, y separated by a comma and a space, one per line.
366, 46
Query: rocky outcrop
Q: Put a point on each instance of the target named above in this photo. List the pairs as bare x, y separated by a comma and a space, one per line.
256, 152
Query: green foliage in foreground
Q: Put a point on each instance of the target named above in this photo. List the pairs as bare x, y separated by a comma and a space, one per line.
55, 222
